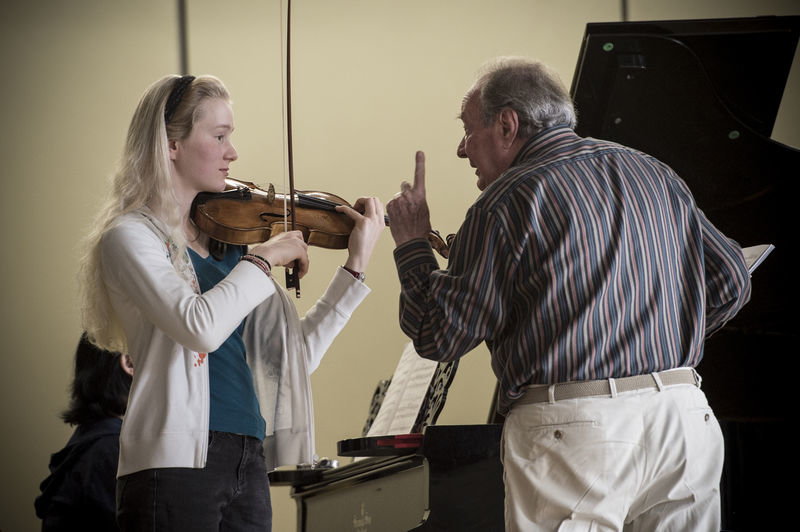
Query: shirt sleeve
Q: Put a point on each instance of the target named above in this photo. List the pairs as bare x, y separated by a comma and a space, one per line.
136, 265
727, 279
447, 313
326, 319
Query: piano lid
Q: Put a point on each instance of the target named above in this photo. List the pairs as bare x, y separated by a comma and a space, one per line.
700, 95
745, 61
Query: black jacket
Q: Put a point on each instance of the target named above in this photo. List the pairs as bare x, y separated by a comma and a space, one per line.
79, 494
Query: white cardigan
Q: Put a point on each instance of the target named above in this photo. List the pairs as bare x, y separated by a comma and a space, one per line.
170, 327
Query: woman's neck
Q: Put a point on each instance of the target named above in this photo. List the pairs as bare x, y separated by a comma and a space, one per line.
195, 238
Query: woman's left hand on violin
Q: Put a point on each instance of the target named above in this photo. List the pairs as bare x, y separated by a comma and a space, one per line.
368, 216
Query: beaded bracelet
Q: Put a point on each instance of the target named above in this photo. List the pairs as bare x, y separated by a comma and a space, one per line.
259, 262
259, 257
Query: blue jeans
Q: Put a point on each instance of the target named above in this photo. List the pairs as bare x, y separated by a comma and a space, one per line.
230, 493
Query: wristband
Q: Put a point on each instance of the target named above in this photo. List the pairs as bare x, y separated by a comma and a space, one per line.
358, 275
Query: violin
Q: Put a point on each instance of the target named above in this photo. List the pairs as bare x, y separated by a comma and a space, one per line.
245, 214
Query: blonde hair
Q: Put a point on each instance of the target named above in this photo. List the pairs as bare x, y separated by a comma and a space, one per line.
142, 179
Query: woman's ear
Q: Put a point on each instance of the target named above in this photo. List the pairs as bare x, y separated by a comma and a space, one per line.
173, 149
126, 364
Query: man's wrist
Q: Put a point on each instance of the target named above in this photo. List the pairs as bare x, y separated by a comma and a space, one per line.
401, 239
413, 242
413, 254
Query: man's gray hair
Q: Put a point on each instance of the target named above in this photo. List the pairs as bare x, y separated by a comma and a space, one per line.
528, 87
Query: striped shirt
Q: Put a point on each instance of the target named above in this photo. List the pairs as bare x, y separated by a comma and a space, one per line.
584, 260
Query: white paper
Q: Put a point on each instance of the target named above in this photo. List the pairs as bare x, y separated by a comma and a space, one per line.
755, 255
403, 399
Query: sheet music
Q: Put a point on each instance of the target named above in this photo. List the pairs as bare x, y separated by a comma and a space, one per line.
403, 399
755, 255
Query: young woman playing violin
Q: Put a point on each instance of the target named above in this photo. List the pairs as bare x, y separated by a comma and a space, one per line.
221, 390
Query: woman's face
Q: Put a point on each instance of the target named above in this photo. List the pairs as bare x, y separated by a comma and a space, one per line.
202, 160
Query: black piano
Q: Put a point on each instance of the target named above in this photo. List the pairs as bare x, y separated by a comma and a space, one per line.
702, 96
435, 478
449, 478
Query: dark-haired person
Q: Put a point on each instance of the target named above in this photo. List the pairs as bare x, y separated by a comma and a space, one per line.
593, 278
79, 494
222, 390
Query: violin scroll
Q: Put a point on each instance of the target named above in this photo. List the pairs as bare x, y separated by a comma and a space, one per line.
439, 244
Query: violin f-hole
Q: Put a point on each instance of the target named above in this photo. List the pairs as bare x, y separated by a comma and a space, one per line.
269, 216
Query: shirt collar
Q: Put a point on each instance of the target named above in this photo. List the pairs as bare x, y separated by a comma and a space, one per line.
545, 143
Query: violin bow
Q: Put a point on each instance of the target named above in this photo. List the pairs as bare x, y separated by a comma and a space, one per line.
292, 277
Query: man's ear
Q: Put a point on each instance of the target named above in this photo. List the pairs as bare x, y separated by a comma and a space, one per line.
508, 121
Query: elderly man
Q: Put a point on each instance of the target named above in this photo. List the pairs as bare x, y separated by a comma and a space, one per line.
593, 278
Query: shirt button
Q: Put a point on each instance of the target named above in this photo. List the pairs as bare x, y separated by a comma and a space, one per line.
558, 434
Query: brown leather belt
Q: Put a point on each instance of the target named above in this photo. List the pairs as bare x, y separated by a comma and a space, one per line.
544, 393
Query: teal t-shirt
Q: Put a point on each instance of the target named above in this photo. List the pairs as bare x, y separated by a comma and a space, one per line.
234, 405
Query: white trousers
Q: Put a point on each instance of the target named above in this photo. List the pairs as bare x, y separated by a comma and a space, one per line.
640, 461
